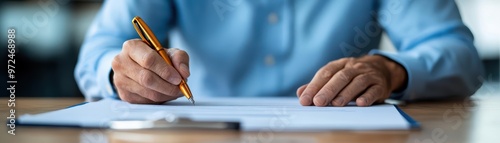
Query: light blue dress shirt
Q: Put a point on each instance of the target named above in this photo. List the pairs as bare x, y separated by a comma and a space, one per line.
271, 47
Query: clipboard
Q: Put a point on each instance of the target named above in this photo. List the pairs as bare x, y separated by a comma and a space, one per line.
130, 124
262, 112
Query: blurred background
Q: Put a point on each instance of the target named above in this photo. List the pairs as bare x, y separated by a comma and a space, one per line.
50, 33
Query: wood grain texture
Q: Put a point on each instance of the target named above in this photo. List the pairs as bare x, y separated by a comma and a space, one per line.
456, 121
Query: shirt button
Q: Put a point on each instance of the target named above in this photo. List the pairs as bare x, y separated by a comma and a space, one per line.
272, 18
269, 60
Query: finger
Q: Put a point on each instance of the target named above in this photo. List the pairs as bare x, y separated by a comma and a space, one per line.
300, 90
126, 95
320, 79
134, 98
134, 87
148, 58
144, 77
359, 84
372, 94
340, 80
180, 59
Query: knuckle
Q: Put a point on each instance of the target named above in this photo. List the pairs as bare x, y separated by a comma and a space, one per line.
374, 78
344, 76
364, 79
332, 63
325, 72
379, 80
156, 97
149, 59
359, 65
182, 53
349, 65
128, 44
343, 60
165, 72
172, 91
350, 60
145, 78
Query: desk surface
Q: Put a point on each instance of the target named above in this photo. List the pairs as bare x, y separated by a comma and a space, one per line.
465, 120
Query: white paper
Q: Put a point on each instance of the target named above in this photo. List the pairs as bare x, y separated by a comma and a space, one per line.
254, 114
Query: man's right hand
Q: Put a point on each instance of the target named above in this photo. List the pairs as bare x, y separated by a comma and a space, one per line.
142, 76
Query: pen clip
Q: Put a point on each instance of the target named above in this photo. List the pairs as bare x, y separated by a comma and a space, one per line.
145, 33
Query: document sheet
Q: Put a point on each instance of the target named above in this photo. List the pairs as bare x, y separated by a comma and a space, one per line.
253, 114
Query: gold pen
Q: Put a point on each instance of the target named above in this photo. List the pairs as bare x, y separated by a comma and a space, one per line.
149, 38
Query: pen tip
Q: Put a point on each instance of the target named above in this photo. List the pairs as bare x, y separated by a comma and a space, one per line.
192, 101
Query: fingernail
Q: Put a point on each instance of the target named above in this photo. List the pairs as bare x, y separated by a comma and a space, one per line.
367, 101
305, 100
361, 101
185, 69
319, 100
174, 80
339, 101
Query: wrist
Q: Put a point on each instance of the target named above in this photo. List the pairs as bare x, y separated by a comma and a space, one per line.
398, 75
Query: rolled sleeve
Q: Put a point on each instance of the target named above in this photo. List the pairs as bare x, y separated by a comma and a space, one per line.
435, 48
439, 68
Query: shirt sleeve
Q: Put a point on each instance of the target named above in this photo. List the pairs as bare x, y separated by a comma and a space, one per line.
434, 46
111, 27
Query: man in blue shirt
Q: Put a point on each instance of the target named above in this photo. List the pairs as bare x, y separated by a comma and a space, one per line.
324, 51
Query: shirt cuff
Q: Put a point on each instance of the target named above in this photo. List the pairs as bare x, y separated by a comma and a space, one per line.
103, 71
414, 71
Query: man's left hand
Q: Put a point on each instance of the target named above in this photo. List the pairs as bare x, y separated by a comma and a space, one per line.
366, 80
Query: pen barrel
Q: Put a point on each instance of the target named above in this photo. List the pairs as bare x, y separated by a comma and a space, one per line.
150, 39
165, 56
183, 85
185, 89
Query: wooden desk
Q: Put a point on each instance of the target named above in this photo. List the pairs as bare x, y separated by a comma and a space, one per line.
469, 120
